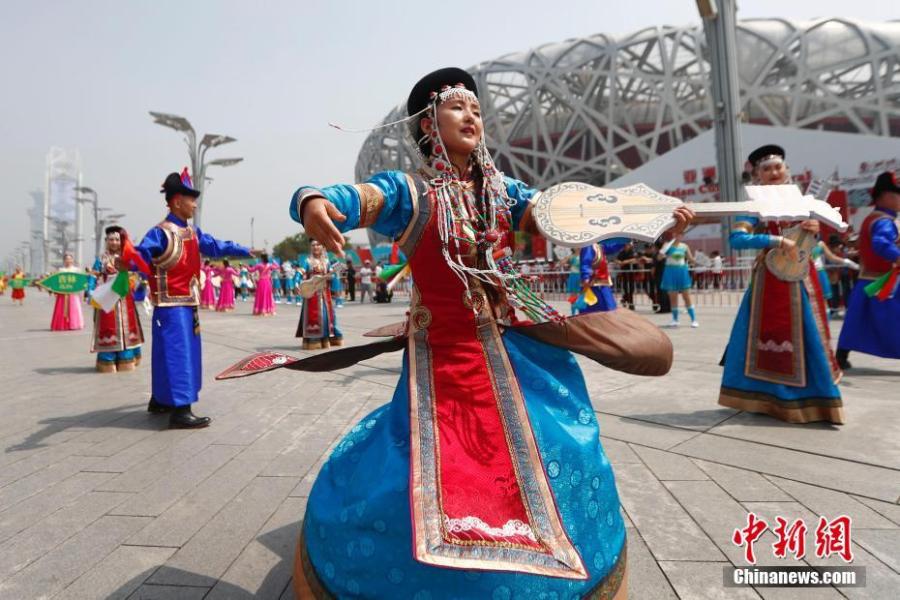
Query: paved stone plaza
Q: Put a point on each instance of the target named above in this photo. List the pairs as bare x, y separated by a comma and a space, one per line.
98, 499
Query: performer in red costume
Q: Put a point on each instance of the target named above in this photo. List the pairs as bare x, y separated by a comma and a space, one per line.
118, 335
173, 250
484, 477
872, 324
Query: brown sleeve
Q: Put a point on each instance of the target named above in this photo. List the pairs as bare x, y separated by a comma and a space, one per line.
618, 339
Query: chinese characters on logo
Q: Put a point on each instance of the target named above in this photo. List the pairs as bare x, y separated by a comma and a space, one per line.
831, 537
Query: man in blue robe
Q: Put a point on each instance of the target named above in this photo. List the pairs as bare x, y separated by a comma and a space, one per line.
172, 249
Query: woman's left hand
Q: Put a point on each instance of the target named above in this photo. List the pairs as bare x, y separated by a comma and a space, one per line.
811, 226
683, 217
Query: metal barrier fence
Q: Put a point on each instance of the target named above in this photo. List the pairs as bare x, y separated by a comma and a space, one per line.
639, 287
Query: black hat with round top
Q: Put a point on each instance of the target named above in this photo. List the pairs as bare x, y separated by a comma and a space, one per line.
176, 184
423, 93
886, 182
433, 83
764, 152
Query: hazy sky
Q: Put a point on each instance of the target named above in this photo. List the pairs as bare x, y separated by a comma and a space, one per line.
84, 74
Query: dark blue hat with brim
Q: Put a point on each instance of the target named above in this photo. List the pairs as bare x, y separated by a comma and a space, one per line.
179, 184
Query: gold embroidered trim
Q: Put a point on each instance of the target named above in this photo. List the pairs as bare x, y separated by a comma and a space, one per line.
742, 226
371, 201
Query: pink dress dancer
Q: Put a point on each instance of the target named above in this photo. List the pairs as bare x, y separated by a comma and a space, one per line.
208, 293
67, 313
67, 310
226, 289
264, 304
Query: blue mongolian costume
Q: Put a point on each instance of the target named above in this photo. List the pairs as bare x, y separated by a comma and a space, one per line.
484, 476
173, 249
872, 325
594, 273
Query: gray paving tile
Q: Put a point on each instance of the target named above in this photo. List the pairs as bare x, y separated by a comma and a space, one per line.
742, 484
882, 583
889, 510
831, 504
668, 530
264, 567
880, 543
875, 482
209, 553
187, 516
641, 432
645, 579
618, 452
39, 506
58, 568
32, 543
176, 482
667, 466
119, 574
38, 481
40, 460
702, 581
168, 592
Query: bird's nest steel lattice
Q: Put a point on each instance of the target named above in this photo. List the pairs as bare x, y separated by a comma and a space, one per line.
591, 109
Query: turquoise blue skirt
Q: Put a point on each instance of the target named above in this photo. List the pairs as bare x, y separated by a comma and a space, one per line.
675, 279
357, 528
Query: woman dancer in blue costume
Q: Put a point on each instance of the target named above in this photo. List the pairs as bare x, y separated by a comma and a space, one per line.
484, 476
676, 278
779, 359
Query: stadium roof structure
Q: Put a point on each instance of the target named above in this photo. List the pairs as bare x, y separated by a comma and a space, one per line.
591, 109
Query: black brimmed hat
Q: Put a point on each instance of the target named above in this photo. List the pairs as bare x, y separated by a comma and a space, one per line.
179, 184
763, 152
886, 182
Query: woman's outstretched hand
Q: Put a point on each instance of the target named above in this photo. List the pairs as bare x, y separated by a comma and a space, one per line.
683, 217
318, 218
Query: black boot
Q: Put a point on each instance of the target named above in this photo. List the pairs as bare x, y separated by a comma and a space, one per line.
841, 355
156, 408
183, 418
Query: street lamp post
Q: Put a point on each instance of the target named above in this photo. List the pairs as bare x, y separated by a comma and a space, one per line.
197, 152
720, 28
92, 200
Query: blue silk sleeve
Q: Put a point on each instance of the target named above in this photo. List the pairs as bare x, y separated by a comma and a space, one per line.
210, 246
741, 240
884, 239
522, 194
586, 263
153, 245
395, 213
613, 245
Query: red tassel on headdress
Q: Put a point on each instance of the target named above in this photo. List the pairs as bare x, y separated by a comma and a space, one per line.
186, 178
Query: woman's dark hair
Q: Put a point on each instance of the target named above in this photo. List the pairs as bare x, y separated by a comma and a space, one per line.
206, 262
225, 263
265, 258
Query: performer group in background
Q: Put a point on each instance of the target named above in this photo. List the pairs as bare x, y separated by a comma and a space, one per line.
872, 322
596, 285
485, 472
227, 274
67, 307
18, 289
264, 302
173, 250
118, 335
779, 359
318, 325
245, 282
822, 254
676, 279
207, 291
